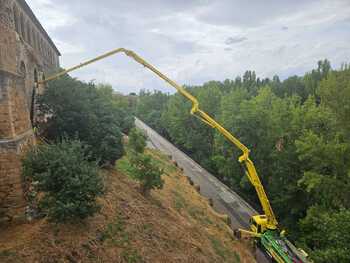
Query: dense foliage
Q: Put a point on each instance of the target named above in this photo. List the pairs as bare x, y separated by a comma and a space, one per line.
70, 182
94, 115
299, 133
143, 167
137, 141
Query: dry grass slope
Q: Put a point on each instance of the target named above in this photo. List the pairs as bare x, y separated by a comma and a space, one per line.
175, 224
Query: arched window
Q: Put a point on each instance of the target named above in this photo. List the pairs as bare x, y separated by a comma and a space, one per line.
32, 107
22, 70
23, 31
38, 41
33, 38
15, 18
29, 35
35, 43
41, 45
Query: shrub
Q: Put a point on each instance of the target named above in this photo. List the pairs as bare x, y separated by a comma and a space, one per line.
137, 141
142, 167
70, 182
146, 172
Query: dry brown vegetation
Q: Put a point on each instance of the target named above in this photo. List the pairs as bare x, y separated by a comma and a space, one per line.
174, 224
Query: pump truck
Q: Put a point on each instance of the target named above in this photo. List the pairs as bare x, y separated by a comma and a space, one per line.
263, 228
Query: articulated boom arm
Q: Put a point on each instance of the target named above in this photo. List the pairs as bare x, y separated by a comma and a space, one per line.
203, 116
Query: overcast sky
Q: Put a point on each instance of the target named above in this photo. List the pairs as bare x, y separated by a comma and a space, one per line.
196, 41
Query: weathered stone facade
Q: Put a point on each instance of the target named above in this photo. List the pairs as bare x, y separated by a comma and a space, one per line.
26, 54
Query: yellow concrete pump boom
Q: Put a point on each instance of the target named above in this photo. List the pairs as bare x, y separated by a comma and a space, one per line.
268, 220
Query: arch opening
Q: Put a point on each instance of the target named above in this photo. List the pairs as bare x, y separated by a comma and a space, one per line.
22, 70
23, 32
33, 98
16, 18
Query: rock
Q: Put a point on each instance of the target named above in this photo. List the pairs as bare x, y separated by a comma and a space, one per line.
198, 188
190, 180
211, 202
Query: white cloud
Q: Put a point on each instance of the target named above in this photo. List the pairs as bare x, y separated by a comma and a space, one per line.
50, 16
197, 41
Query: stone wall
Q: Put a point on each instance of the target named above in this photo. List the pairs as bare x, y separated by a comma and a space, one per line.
26, 55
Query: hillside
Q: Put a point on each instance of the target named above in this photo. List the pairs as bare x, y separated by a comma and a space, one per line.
174, 224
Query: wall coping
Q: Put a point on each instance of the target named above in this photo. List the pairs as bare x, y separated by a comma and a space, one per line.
30, 13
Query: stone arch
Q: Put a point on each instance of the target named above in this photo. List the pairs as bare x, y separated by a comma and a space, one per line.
16, 19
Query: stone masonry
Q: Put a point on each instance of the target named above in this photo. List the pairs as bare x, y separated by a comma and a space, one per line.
27, 54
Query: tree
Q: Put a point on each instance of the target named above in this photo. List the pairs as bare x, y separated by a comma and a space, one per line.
75, 109
325, 234
70, 182
186, 131
326, 162
150, 107
122, 107
335, 94
313, 78
298, 133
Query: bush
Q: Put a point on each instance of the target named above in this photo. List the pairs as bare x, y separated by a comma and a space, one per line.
142, 167
70, 182
146, 172
78, 109
137, 141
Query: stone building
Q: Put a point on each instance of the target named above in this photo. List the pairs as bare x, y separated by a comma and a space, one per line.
27, 54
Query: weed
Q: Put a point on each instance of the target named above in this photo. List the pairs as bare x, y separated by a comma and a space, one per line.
115, 232
199, 215
236, 258
131, 256
8, 256
225, 253
162, 161
124, 166
179, 201
6, 253
147, 228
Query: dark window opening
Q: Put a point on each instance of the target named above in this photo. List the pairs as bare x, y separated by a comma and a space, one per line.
32, 108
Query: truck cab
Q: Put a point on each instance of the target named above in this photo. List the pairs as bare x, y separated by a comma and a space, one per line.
259, 224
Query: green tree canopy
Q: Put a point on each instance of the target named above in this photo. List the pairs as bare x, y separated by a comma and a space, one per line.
75, 109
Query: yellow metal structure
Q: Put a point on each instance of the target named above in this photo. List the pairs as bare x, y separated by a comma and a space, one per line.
259, 223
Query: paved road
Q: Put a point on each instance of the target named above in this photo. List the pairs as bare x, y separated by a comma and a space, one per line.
225, 200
